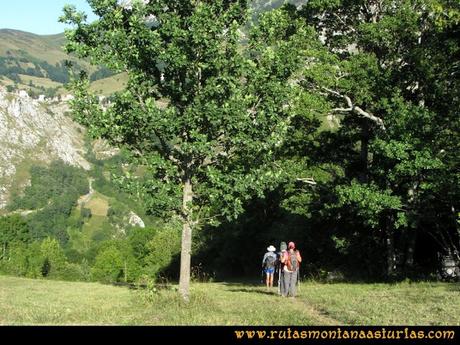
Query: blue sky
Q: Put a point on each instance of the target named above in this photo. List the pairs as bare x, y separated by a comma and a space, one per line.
37, 16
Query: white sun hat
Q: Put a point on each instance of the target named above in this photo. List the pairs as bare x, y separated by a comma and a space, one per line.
271, 249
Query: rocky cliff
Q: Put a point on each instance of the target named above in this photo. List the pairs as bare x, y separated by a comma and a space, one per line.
31, 132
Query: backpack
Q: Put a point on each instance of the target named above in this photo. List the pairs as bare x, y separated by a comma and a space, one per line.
270, 261
292, 261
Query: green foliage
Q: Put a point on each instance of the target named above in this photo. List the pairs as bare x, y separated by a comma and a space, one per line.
73, 272
57, 180
13, 229
335, 124
46, 267
369, 201
85, 212
223, 84
139, 240
161, 250
115, 262
108, 266
53, 193
53, 258
11, 67
36, 260
382, 60
17, 264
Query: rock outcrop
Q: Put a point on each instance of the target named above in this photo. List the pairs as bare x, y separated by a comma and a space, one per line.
35, 131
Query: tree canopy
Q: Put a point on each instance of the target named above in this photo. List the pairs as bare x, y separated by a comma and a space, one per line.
331, 121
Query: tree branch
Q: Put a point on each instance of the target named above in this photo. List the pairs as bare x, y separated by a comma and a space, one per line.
355, 109
308, 180
352, 29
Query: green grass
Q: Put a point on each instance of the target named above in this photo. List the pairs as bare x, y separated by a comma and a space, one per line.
110, 85
98, 204
45, 82
423, 303
45, 48
44, 302
50, 48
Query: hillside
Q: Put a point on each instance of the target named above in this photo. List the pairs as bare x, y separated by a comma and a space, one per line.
19, 44
37, 64
34, 132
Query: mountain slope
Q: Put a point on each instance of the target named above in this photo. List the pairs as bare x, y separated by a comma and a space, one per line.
34, 132
38, 63
19, 44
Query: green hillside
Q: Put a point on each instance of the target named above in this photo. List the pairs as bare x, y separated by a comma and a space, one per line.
38, 64
19, 44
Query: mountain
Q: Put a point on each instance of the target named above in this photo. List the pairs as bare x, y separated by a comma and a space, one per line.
37, 64
34, 132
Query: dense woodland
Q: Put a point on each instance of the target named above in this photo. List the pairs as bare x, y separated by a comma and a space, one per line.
330, 123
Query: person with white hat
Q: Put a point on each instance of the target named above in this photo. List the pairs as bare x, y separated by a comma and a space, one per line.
269, 264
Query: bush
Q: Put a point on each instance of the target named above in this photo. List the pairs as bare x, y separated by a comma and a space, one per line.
110, 212
46, 267
53, 258
72, 272
17, 263
35, 261
164, 246
108, 266
86, 213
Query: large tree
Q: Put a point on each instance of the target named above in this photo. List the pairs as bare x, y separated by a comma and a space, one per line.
207, 103
396, 95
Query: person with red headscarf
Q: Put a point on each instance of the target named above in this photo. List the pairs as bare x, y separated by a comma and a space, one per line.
291, 261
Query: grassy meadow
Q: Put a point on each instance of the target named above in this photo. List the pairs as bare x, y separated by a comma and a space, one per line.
47, 302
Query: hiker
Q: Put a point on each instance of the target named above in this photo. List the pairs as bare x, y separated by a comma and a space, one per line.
291, 261
280, 268
268, 264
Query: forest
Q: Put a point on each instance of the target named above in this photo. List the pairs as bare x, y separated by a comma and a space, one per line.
330, 123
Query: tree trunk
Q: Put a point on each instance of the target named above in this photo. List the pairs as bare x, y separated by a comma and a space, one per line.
390, 247
186, 245
364, 154
456, 226
410, 250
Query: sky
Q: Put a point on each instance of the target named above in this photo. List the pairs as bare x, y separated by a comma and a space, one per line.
38, 16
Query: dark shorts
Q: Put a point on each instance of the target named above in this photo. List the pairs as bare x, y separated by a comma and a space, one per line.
270, 270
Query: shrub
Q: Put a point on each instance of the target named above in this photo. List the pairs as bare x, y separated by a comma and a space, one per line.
86, 212
53, 258
17, 263
164, 246
72, 272
108, 266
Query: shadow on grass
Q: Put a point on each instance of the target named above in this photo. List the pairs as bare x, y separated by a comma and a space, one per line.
453, 287
133, 286
261, 291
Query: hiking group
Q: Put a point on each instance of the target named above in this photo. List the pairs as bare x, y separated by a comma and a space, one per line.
286, 263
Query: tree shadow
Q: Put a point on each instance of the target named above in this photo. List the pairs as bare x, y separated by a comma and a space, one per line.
261, 291
234, 250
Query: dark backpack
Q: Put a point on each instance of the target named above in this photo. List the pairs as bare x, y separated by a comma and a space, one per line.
270, 261
293, 264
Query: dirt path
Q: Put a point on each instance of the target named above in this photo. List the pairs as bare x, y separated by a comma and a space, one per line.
85, 198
